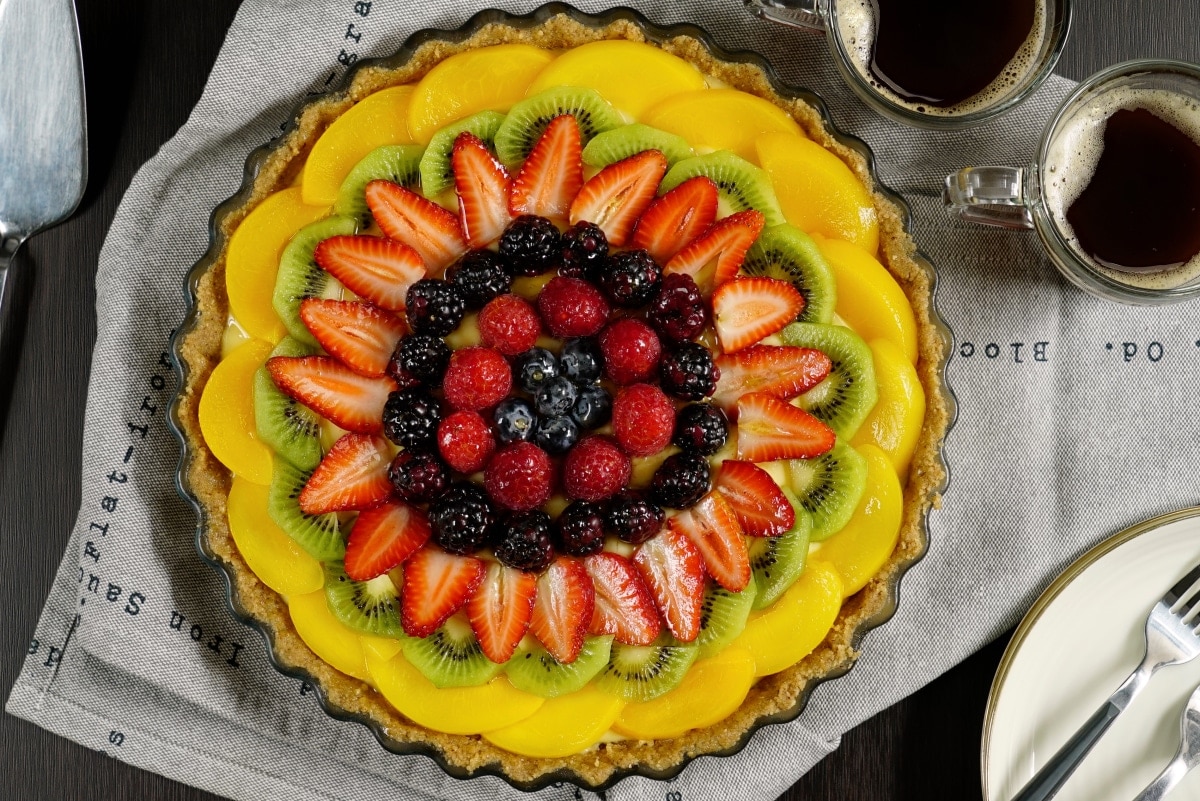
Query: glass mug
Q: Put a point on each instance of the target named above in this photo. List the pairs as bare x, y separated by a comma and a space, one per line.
1039, 196
845, 22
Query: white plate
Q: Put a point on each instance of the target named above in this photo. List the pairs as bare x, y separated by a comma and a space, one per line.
1074, 647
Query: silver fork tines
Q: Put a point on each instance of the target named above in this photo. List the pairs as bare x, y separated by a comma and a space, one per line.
1185, 759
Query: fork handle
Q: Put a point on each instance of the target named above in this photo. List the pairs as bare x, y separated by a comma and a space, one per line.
1045, 783
1166, 781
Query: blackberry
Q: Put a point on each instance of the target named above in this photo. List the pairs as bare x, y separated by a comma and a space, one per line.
462, 519
535, 367
581, 529
688, 372
678, 311
593, 407
418, 477
555, 397
556, 435
434, 306
480, 276
410, 419
631, 279
701, 428
531, 245
422, 356
584, 251
680, 481
525, 542
633, 518
581, 360
515, 421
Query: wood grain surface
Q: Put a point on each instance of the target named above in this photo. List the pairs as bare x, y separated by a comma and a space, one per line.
146, 64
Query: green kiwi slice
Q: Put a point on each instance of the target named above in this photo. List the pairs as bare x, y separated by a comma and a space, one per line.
742, 185
437, 175
844, 399
528, 119
829, 487
289, 427
451, 656
723, 615
778, 561
400, 164
317, 534
301, 277
366, 606
535, 671
643, 672
628, 140
787, 253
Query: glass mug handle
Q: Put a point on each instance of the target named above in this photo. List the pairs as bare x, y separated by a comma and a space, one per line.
990, 196
805, 14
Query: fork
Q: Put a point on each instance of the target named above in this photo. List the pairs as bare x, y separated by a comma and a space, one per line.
1186, 758
1172, 638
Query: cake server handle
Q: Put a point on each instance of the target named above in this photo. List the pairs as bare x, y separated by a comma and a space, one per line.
804, 14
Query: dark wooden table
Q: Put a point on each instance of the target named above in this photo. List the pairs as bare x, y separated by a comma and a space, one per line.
146, 65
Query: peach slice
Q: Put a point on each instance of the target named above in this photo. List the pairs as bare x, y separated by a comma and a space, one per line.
227, 413
272, 555
894, 424
869, 299
328, 637
781, 635
562, 726
721, 119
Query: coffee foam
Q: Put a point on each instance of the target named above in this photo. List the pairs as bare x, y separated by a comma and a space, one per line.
855, 24
1079, 141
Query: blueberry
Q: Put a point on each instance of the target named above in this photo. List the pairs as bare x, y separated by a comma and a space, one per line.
555, 397
556, 435
593, 407
515, 420
581, 361
534, 367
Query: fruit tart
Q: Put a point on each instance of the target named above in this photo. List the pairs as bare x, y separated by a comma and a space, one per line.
568, 423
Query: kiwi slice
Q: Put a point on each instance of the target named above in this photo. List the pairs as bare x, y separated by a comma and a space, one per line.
742, 185
787, 253
844, 399
437, 175
289, 427
723, 616
400, 164
301, 277
778, 561
643, 672
528, 119
628, 140
451, 656
317, 534
829, 487
366, 606
535, 671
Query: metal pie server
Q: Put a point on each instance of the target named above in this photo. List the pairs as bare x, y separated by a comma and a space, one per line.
43, 125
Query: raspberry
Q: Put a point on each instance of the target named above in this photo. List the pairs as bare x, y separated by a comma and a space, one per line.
509, 324
465, 441
581, 528
476, 379
418, 477
519, 477
631, 351
643, 419
525, 543
595, 469
678, 311
572, 307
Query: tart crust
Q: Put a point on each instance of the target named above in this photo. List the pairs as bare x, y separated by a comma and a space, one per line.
774, 698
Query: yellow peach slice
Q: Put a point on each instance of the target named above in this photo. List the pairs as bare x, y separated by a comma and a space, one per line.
376, 120
227, 413
818, 191
859, 550
895, 422
721, 119
869, 299
783, 634
487, 79
253, 260
454, 710
272, 555
562, 726
381, 647
709, 693
328, 637
620, 70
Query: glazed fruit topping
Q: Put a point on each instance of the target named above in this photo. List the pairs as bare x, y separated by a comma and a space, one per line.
332, 390
462, 519
423, 225
424, 357
713, 528
632, 279
500, 609
680, 481
383, 537
572, 307
509, 324
465, 441
411, 418
716, 256
526, 542
678, 312
581, 360
379, 270
480, 276
534, 368
778, 370
632, 518
418, 477
556, 435
352, 476
519, 477
593, 407
759, 504
624, 606
701, 428
481, 184
436, 585
677, 218
434, 307
562, 611
688, 372
477, 378
616, 196
748, 309
361, 336
770, 429
631, 351
532, 245
515, 420
673, 570
584, 251
595, 469
581, 529
643, 419
553, 174
555, 397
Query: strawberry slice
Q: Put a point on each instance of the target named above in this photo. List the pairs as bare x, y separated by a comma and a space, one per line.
616, 196
770, 429
383, 537
500, 609
748, 309
624, 606
333, 390
778, 370
553, 174
712, 526
676, 218
717, 255
353, 475
482, 188
361, 336
759, 504
563, 610
374, 268
673, 569
421, 224
436, 585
